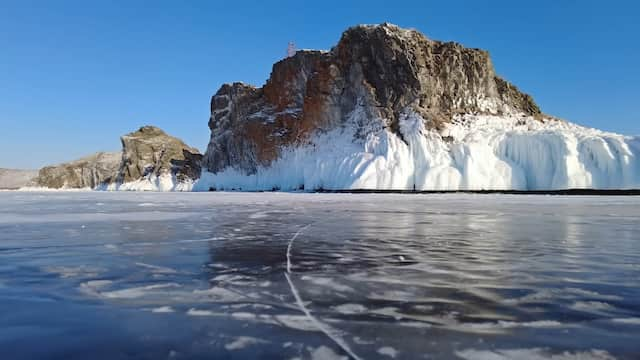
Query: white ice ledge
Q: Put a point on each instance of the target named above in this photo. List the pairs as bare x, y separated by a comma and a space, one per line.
473, 153
162, 183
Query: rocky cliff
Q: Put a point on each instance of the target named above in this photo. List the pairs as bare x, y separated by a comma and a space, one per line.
149, 152
379, 71
388, 108
150, 160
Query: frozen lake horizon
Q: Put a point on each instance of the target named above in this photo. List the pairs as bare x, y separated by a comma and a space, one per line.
107, 275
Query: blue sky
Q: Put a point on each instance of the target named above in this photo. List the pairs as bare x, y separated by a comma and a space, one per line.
75, 75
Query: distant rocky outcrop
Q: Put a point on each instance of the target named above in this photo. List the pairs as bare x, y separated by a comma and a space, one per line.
147, 155
150, 152
16, 178
379, 71
87, 172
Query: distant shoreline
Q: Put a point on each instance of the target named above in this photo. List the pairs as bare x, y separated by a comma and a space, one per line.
574, 192
569, 192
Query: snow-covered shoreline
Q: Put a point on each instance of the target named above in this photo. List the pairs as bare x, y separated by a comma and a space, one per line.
473, 153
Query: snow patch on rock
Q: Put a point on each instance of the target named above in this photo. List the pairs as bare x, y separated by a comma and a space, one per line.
162, 182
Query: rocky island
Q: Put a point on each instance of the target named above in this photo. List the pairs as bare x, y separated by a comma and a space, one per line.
150, 160
388, 108
385, 109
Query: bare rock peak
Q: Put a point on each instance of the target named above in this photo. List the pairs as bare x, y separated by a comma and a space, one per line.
150, 152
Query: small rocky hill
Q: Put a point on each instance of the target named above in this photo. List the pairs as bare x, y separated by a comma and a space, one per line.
146, 155
149, 151
87, 172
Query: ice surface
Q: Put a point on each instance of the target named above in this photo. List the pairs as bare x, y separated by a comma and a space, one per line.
390, 276
532, 354
162, 309
242, 342
388, 351
473, 153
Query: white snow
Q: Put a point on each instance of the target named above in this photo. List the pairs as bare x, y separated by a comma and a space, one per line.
157, 269
163, 182
474, 152
350, 309
162, 309
136, 292
242, 342
592, 306
631, 321
93, 287
327, 282
74, 271
196, 312
502, 324
325, 353
532, 354
388, 351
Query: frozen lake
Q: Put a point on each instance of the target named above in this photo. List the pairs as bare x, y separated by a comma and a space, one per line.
318, 276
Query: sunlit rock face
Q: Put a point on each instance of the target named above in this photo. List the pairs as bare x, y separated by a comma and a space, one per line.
150, 160
150, 152
388, 108
88, 172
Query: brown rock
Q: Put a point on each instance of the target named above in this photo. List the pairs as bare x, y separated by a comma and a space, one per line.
146, 152
149, 151
381, 71
88, 172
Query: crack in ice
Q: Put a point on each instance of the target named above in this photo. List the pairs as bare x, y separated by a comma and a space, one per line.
326, 329
291, 244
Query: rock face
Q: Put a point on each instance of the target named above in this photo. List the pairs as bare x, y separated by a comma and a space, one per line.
88, 172
379, 72
16, 178
150, 152
150, 160
388, 108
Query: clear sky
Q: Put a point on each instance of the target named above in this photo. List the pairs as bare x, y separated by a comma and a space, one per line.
75, 75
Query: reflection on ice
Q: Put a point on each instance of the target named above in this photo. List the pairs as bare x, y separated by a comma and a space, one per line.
371, 276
